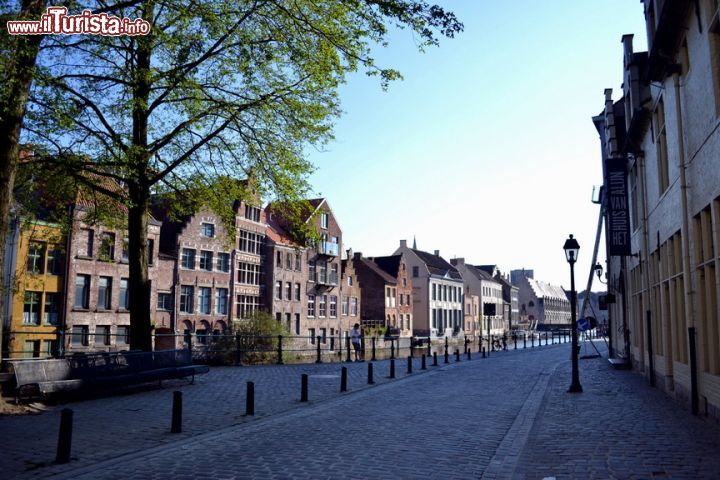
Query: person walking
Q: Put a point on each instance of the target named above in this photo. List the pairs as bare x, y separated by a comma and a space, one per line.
355, 338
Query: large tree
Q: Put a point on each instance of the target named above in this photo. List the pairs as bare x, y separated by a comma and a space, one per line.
217, 90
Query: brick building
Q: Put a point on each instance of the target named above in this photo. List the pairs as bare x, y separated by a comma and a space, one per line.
351, 294
660, 146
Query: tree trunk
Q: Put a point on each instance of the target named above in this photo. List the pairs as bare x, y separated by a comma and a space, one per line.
12, 110
139, 196
139, 287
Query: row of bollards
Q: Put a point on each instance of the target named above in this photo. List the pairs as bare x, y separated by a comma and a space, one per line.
66, 415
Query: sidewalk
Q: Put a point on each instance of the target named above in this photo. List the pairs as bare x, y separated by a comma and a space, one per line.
507, 416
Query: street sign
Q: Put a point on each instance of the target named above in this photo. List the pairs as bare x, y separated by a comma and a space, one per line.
583, 324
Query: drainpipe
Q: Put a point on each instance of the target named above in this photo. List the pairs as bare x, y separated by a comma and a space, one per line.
640, 159
687, 284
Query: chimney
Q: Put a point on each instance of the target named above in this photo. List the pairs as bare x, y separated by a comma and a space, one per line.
357, 255
458, 262
403, 243
437, 253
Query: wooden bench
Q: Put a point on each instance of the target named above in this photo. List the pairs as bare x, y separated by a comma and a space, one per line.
114, 369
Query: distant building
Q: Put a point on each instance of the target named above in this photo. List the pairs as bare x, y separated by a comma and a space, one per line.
542, 305
438, 293
480, 283
516, 275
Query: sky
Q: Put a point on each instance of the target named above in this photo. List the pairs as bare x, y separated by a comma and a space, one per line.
486, 150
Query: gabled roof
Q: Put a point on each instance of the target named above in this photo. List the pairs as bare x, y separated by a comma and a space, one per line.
546, 290
437, 265
390, 264
375, 268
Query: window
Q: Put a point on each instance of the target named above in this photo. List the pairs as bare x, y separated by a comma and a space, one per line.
661, 145
416, 271
288, 321
297, 262
246, 305
311, 334
334, 274
223, 262
288, 290
323, 335
288, 261
188, 258
404, 281
52, 308
54, 261
297, 292
150, 251
82, 291
186, 299
322, 305
333, 306
79, 335
434, 292
207, 230
311, 305
278, 259
349, 280
311, 271
345, 305
322, 272
165, 301
102, 335
124, 300
252, 213
221, 301
206, 260
123, 335
248, 273
31, 309
278, 290
86, 239
104, 293
297, 324
35, 259
204, 295
353, 306
250, 242
324, 217
125, 249
107, 246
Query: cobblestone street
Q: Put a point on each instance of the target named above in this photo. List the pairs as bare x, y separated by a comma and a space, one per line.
506, 416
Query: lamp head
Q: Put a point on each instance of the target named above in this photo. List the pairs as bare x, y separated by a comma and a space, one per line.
572, 248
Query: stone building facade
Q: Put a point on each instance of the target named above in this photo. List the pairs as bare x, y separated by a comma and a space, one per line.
542, 305
662, 138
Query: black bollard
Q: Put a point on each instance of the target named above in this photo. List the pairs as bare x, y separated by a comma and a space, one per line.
176, 426
525, 341
392, 348
304, 387
469, 354
392, 368
409, 370
434, 364
65, 436
447, 357
446, 347
318, 360
280, 354
457, 354
250, 399
373, 349
515, 340
412, 346
466, 344
483, 350
429, 347
423, 365
343, 379
532, 340
370, 374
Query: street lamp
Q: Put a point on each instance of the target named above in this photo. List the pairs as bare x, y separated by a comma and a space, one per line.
572, 248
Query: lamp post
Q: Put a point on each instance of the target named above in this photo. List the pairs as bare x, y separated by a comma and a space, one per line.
572, 248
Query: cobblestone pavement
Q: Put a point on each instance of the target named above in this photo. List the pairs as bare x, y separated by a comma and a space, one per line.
507, 416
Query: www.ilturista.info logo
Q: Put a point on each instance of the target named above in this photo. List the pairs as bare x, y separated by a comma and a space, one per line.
57, 21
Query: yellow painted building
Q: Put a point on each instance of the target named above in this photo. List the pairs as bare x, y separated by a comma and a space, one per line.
37, 253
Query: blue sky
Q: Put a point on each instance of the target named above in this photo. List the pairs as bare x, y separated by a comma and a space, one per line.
486, 150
